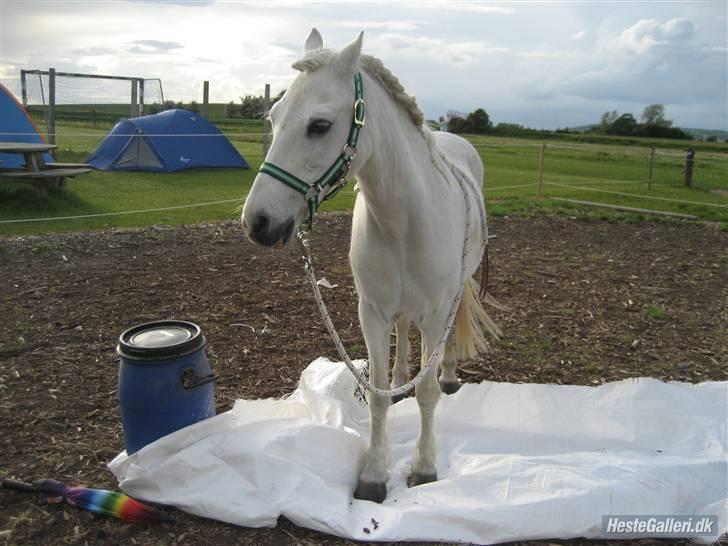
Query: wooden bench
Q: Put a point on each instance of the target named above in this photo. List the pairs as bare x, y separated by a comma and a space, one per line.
36, 170
55, 178
67, 165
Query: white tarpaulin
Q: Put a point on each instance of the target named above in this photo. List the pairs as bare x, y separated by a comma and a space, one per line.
515, 461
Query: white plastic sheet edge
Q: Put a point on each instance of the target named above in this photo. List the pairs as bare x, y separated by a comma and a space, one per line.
515, 461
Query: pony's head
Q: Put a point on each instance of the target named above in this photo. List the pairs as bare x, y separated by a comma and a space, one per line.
312, 125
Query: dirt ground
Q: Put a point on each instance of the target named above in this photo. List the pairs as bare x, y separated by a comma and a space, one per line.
589, 302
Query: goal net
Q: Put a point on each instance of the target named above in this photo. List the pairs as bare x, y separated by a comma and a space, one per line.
88, 98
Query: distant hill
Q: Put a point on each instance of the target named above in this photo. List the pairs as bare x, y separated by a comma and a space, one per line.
582, 128
700, 134
697, 134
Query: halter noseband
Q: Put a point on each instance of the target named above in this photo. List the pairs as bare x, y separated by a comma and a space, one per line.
336, 176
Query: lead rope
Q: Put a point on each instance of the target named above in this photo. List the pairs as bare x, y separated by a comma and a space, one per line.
485, 262
440, 347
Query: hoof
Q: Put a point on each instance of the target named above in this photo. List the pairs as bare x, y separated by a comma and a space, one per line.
399, 397
371, 491
449, 387
416, 478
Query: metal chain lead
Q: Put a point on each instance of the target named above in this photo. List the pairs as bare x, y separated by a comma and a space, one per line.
440, 347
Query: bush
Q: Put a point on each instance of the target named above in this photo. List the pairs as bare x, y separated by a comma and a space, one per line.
231, 109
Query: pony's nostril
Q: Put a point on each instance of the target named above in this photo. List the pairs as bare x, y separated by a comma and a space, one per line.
260, 226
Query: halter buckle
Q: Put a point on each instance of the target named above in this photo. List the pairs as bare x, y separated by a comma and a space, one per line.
359, 118
349, 152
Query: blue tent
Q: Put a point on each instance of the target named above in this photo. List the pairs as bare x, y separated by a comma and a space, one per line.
170, 141
16, 126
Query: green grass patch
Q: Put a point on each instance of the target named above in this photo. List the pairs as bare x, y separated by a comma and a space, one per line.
607, 171
654, 312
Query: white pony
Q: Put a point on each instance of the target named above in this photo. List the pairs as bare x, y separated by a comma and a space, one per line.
408, 225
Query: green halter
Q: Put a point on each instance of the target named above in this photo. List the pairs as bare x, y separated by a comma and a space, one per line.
336, 176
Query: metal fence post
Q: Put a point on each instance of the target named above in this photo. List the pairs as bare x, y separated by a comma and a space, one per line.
134, 109
24, 89
540, 170
266, 109
141, 98
51, 106
649, 172
205, 98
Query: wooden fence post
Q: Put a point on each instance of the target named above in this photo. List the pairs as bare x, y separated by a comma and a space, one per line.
205, 98
689, 161
51, 106
266, 109
649, 172
141, 98
540, 170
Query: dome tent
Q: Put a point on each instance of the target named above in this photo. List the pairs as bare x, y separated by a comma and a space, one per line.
16, 126
169, 141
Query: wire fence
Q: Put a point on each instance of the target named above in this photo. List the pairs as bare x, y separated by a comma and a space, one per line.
639, 179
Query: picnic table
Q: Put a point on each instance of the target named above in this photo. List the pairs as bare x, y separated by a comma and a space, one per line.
37, 171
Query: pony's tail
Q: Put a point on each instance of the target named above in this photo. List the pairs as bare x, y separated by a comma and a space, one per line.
471, 325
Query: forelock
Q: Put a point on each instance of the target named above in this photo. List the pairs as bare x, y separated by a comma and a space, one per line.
376, 69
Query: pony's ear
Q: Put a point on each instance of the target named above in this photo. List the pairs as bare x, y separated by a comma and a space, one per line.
313, 42
345, 62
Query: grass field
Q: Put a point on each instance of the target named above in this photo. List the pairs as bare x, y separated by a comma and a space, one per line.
573, 169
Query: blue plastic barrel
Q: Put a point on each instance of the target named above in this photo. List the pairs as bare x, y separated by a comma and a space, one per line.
165, 381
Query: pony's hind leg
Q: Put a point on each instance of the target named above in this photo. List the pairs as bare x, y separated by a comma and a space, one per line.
400, 372
448, 376
372, 483
424, 469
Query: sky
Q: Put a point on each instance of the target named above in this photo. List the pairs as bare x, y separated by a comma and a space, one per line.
539, 64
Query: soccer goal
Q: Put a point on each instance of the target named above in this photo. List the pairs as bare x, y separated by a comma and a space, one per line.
49, 95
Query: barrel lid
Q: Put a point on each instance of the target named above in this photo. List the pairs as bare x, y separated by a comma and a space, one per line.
160, 340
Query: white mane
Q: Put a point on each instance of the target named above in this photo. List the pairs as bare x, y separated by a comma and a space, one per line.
377, 70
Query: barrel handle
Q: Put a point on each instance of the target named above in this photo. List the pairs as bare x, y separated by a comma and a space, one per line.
191, 380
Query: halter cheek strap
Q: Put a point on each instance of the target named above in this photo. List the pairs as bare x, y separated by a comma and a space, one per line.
336, 176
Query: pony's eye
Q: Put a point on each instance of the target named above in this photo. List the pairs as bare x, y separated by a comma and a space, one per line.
318, 127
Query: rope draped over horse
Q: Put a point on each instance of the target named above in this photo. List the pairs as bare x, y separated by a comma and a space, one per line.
418, 230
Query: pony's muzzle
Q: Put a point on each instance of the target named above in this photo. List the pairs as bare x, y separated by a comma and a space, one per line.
264, 232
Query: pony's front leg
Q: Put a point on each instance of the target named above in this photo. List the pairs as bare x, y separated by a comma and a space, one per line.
424, 469
400, 372
373, 478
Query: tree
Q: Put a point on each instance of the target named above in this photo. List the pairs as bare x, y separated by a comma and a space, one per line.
479, 121
624, 125
459, 125
608, 118
654, 115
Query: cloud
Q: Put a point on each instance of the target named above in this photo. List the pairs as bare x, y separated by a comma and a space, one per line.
477, 7
94, 51
394, 26
186, 3
578, 35
648, 34
650, 61
154, 46
445, 51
